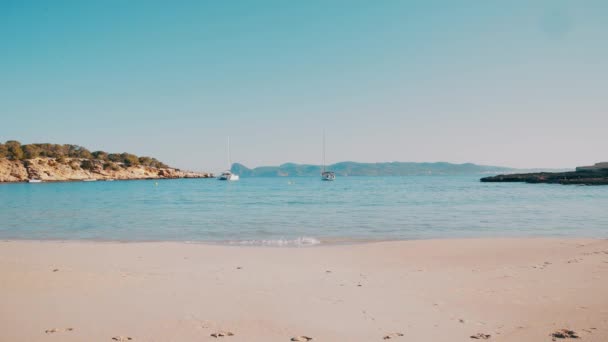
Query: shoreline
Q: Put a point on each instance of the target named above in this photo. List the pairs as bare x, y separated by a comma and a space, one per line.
287, 243
513, 289
93, 180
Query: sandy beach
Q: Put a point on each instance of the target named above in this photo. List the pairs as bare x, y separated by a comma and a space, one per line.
429, 290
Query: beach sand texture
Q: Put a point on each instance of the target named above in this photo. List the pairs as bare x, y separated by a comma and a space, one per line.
428, 290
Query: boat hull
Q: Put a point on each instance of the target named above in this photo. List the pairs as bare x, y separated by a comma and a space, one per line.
228, 177
328, 176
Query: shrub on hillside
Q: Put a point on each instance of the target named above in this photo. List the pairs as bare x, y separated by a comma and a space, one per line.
151, 162
114, 157
87, 165
111, 166
13, 149
75, 151
31, 151
15, 152
100, 155
130, 159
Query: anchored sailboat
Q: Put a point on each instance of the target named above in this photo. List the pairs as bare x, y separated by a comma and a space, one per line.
326, 175
228, 175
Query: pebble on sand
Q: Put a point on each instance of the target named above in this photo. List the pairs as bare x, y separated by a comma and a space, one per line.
392, 335
222, 334
481, 336
564, 333
54, 330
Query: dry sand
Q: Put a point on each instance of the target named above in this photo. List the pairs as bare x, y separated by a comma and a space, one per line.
435, 290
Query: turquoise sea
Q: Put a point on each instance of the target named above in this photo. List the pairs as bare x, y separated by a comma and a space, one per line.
300, 211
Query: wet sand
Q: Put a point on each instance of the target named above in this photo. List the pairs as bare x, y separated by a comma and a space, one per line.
430, 290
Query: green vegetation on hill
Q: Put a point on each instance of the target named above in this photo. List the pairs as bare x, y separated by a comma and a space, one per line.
368, 169
15, 151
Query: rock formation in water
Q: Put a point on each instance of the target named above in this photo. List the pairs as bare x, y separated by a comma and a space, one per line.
584, 175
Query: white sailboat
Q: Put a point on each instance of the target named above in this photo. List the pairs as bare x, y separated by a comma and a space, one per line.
326, 175
228, 175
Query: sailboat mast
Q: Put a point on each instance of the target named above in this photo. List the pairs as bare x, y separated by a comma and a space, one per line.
229, 155
323, 151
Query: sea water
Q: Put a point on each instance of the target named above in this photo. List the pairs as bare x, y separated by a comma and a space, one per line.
300, 211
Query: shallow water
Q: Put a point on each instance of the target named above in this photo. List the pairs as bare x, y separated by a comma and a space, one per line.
300, 211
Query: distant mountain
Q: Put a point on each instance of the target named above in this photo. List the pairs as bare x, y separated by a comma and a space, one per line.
369, 169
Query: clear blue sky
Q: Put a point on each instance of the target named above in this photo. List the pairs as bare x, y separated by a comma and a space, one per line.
514, 83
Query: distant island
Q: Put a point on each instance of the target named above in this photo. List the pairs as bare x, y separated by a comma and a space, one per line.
53, 162
368, 169
584, 175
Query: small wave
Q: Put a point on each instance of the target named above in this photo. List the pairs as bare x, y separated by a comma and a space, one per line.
299, 242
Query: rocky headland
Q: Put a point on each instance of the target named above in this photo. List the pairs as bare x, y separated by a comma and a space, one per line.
75, 169
57, 163
584, 175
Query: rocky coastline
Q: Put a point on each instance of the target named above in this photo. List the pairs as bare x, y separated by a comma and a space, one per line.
584, 175
81, 169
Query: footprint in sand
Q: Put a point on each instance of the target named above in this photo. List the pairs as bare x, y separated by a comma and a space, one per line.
122, 338
56, 330
564, 333
481, 336
301, 338
392, 335
222, 334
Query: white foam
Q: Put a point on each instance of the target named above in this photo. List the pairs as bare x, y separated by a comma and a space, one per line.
299, 242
